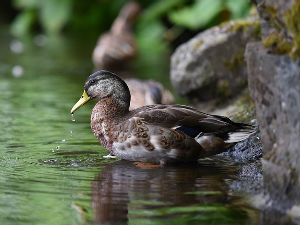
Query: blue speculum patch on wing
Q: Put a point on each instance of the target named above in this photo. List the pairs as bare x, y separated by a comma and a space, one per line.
190, 131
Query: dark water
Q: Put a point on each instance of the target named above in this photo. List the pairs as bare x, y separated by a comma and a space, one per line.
52, 170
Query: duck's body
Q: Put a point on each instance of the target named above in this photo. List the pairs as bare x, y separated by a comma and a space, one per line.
162, 133
155, 133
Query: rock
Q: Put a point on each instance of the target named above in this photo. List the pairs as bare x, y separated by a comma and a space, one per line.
247, 154
212, 64
249, 178
274, 83
280, 27
247, 151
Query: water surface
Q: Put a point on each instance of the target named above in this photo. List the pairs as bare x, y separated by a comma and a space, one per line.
52, 170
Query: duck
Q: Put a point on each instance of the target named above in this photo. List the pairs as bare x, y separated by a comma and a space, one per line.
147, 92
117, 46
159, 134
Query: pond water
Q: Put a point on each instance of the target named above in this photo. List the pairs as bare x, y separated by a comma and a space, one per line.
52, 169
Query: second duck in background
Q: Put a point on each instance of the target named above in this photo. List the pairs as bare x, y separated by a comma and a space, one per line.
116, 47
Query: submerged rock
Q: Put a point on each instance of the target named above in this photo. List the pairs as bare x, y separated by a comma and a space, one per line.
247, 151
212, 64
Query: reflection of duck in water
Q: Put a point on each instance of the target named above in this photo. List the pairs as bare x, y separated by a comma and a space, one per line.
155, 133
121, 184
118, 46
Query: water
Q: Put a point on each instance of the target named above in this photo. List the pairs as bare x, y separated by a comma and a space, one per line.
52, 169
73, 117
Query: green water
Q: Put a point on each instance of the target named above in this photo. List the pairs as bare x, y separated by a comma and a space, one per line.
52, 170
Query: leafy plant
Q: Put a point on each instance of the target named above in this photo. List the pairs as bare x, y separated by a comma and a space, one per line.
53, 15
202, 12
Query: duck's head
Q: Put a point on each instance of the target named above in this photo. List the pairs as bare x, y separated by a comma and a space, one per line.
104, 84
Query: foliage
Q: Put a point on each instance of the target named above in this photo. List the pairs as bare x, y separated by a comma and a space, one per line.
54, 15
203, 12
23, 22
197, 15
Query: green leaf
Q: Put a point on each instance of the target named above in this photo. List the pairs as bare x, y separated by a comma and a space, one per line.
54, 14
238, 8
199, 15
23, 22
159, 8
27, 4
151, 44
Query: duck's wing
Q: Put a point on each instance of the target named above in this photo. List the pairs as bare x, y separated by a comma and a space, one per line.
189, 120
171, 116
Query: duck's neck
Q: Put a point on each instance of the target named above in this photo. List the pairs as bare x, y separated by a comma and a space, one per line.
120, 26
125, 19
109, 109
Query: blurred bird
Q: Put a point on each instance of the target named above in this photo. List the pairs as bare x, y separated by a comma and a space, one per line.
117, 46
147, 92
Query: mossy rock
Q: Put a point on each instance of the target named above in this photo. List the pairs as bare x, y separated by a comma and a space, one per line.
245, 108
236, 61
211, 66
278, 43
198, 44
292, 21
246, 25
284, 37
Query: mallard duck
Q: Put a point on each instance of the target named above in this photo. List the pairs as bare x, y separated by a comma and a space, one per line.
117, 46
154, 133
147, 92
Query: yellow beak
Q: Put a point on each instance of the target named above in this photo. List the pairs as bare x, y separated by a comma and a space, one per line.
84, 99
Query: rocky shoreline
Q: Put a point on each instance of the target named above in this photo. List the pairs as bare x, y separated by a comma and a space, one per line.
212, 70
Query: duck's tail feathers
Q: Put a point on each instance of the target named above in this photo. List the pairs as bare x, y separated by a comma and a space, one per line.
240, 134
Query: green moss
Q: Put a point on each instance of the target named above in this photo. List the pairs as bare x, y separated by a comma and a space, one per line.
272, 12
243, 25
275, 40
224, 24
224, 89
278, 43
236, 61
270, 40
245, 111
291, 19
198, 43
239, 25
253, 11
